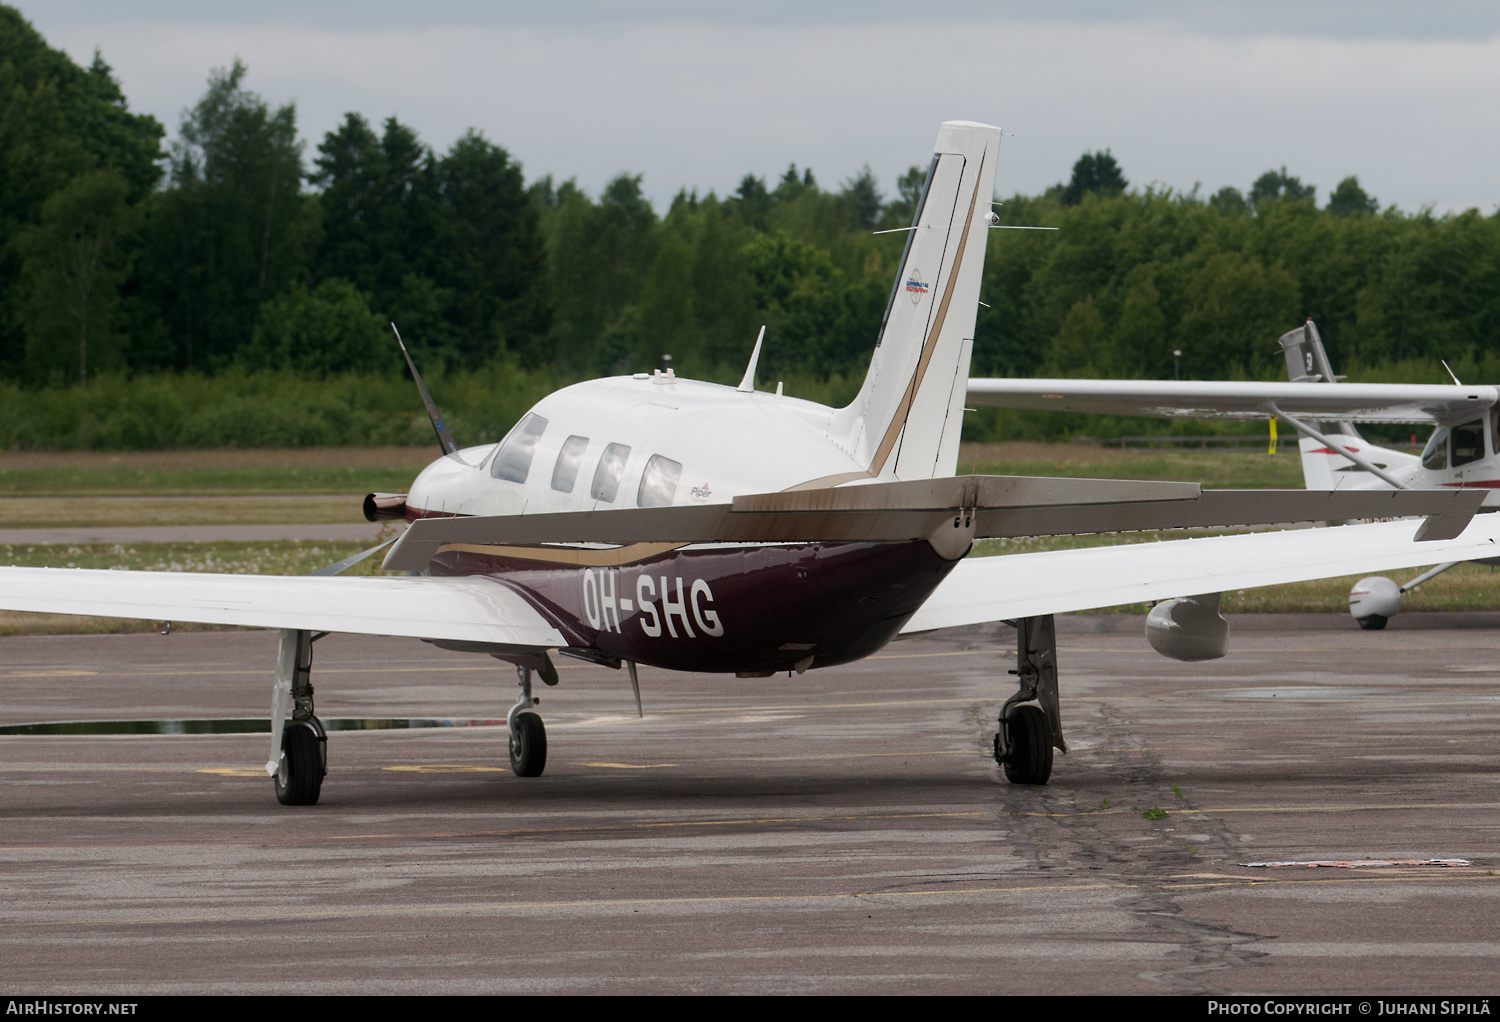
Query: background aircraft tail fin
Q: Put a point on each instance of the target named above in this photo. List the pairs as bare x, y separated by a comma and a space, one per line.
906, 420
1307, 362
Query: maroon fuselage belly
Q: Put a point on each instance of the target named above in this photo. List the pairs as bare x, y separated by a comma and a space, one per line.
742, 609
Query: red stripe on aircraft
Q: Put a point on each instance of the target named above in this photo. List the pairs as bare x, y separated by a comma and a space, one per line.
1481, 484
1330, 450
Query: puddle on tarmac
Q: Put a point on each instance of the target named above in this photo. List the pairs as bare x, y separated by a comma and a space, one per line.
230, 726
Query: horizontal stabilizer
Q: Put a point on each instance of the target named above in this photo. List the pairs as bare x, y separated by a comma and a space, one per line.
995, 506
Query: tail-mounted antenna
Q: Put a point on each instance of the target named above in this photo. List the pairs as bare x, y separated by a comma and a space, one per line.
445, 439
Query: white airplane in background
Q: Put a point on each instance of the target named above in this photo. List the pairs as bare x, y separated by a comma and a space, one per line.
1463, 451
654, 520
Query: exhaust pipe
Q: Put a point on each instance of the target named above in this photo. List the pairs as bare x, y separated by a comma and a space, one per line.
385, 507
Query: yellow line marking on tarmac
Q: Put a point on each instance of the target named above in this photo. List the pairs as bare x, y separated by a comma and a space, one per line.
49, 674
1291, 809
444, 768
232, 771
1279, 882
846, 755
664, 824
535, 905
627, 766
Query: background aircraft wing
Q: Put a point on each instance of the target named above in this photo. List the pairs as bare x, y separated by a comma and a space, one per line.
1443, 405
470, 609
983, 589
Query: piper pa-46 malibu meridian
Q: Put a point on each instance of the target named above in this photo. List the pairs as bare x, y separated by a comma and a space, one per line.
1462, 452
654, 520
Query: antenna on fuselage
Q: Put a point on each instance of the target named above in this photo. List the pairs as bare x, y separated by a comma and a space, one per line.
747, 385
1450, 373
445, 439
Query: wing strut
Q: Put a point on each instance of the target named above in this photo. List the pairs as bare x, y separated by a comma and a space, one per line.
1307, 430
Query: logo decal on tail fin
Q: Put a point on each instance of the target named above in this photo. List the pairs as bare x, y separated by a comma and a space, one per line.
915, 287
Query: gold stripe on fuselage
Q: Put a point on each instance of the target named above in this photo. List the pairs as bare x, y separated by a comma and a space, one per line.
582, 557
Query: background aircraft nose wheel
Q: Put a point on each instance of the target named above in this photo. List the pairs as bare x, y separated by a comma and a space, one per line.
1372, 622
528, 745
1029, 760
299, 778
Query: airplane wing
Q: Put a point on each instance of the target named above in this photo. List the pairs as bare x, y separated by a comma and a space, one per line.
983, 589
1190, 399
470, 609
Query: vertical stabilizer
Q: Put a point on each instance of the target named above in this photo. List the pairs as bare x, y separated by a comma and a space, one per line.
906, 421
1324, 468
1307, 362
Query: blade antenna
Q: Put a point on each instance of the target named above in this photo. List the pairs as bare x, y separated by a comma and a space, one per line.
635, 686
445, 439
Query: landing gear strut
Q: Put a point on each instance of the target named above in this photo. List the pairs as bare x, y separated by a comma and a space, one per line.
1028, 733
528, 736
299, 747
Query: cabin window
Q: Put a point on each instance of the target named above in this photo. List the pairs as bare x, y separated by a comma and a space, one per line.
1435, 454
607, 476
658, 482
513, 461
569, 459
1468, 442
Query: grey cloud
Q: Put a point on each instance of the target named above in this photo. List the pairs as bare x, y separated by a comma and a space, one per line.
1337, 19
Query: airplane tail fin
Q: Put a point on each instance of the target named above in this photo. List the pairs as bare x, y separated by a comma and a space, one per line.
906, 420
1307, 362
1322, 468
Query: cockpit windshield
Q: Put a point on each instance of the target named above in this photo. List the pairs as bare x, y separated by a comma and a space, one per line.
1435, 454
513, 461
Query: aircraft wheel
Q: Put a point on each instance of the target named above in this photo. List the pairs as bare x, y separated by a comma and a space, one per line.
528, 745
299, 779
1030, 760
1373, 622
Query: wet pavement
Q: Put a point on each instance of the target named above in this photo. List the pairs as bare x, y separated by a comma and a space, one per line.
841, 831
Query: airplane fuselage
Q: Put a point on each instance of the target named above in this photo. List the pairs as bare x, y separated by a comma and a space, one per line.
656, 440
1464, 455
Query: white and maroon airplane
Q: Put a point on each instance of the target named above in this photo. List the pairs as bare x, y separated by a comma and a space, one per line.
654, 520
1463, 451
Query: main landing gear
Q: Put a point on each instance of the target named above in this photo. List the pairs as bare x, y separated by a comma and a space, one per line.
299, 747
528, 736
1028, 733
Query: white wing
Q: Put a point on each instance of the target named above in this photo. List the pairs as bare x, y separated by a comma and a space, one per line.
1190, 399
470, 609
982, 589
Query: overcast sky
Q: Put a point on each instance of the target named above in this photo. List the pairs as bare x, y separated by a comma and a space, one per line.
1403, 94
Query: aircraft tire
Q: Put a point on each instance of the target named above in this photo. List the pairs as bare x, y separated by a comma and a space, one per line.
1372, 622
528, 745
1030, 760
300, 779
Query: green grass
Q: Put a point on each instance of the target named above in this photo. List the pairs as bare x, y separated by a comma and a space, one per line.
1215, 469
327, 470
276, 558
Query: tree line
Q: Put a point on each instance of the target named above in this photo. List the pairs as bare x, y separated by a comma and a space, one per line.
236, 250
